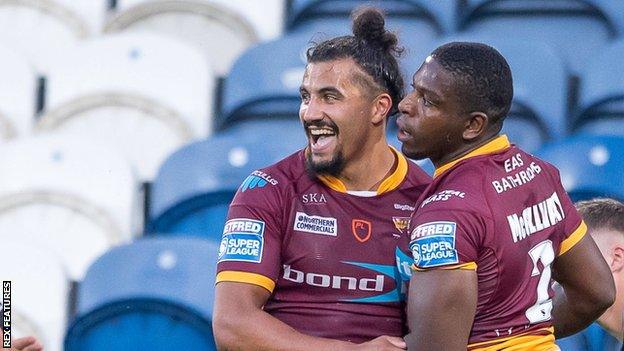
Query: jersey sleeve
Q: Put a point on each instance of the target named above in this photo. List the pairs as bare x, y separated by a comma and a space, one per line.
445, 239
573, 226
250, 249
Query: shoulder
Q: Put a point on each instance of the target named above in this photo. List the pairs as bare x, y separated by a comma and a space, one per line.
270, 185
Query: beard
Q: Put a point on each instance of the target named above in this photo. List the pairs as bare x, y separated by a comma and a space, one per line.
332, 167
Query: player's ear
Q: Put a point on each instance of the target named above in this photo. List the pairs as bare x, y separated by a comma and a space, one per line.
475, 125
381, 108
617, 259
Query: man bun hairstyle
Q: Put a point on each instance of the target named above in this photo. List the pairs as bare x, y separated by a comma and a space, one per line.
373, 48
483, 79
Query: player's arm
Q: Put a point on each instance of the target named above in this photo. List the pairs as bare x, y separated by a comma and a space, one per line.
585, 287
239, 323
441, 309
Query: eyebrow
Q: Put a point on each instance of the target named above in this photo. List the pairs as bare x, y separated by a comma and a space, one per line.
322, 90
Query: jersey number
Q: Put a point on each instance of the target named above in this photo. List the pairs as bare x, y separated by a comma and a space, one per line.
544, 252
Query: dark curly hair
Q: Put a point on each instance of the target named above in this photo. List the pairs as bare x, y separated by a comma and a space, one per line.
372, 47
483, 79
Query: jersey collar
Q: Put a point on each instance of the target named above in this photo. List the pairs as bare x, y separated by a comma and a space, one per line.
390, 183
495, 145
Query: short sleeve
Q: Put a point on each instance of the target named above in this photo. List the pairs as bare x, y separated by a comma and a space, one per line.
572, 227
447, 239
250, 249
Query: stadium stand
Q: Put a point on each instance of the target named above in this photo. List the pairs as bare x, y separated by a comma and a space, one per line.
590, 165
145, 93
561, 23
191, 194
44, 29
17, 95
63, 193
39, 291
154, 294
423, 18
601, 108
221, 29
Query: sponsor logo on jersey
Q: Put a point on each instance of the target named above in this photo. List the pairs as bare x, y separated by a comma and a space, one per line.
242, 240
401, 223
433, 244
444, 195
536, 218
315, 224
374, 284
313, 198
361, 229
404, 207
257, 179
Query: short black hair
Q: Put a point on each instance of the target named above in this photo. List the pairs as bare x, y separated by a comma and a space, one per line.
372, 47
602, 213
482, 77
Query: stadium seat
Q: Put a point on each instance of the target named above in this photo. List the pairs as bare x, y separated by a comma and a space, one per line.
194, 187
593, 338
264, 81
74, 198
17, 94
44, 29
222, 29
428, 16
39, 292
154, 294
539, 108
577, 28
590, 166
144, 93
602, 93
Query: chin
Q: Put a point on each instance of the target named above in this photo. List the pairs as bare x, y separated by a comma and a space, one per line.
412, 153
332, 166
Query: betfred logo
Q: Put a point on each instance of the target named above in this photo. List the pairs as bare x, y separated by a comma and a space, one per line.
243, 240
333, 281
249, 226
433, 228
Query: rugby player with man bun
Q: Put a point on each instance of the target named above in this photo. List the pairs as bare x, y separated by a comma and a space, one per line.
309, 251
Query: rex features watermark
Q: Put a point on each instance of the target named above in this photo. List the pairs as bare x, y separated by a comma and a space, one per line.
6, 313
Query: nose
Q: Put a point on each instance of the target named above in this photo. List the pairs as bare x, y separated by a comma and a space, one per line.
311, 111
405, 106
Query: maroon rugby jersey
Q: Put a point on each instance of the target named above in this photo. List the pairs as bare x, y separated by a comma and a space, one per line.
328, 257
503, 212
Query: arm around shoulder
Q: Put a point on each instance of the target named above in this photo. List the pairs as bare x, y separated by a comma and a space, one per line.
586, 288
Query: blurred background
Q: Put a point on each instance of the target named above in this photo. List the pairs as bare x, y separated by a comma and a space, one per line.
126, 126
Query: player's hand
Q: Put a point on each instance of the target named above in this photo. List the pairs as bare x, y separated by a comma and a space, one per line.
28, 343
383, 343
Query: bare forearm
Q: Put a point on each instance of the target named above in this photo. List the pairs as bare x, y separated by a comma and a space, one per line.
573, 311
259, 331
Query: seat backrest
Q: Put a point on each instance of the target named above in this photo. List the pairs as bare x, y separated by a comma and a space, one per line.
68, 195
39, 290
594, 169
602, 85
562, 24
165, 71
440, 15
17, 94
208, 173
135, 292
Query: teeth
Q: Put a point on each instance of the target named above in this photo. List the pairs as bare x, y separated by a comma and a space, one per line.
317, 132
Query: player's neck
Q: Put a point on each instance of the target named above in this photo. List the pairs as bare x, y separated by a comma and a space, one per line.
463, 150
367, 172
613, 319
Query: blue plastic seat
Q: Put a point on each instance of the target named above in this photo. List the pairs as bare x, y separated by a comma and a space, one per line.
264, 81
593, 338
590, 166
438, 15
153, 294
577, 28
602, 93
195, 185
